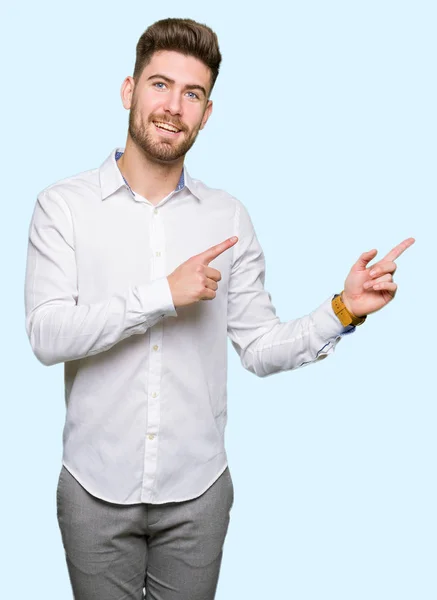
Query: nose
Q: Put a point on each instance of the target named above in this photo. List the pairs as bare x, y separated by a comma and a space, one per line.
173, 103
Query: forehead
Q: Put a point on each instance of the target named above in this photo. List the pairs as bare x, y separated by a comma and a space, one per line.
179, 67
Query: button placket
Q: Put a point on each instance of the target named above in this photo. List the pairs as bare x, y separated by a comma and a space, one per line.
156, 237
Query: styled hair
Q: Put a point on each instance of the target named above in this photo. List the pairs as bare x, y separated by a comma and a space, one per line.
181, 35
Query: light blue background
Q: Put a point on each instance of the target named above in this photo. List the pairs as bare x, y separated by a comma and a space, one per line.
324, 125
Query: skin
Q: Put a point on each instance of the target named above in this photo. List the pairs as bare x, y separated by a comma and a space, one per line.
153, 162
369, 288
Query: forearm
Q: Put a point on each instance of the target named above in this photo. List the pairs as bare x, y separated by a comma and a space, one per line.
288, 345
60, 332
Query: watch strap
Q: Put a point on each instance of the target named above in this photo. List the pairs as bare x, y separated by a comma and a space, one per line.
344, 315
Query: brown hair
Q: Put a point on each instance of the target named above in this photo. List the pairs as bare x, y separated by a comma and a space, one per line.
181, 35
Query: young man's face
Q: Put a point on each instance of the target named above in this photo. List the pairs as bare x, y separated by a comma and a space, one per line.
171, 92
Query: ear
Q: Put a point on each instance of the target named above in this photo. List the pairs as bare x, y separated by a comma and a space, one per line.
206, 114
127, 92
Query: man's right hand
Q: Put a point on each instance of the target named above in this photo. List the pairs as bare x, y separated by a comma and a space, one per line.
194, 280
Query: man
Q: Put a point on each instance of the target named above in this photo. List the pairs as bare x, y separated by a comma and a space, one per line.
120, 260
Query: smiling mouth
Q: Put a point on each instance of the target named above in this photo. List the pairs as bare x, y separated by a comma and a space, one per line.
166, 127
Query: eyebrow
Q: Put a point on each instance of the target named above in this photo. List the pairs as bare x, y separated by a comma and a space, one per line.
192, 86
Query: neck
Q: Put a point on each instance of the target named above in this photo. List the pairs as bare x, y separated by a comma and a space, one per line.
151, 179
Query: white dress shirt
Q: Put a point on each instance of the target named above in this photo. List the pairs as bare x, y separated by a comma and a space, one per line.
145, 384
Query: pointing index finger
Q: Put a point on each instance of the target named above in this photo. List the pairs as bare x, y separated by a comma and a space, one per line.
399, 249
216, 250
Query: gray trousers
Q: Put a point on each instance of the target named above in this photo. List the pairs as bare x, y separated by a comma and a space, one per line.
169, 551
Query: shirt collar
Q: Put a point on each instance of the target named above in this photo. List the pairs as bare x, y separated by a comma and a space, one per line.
111, 178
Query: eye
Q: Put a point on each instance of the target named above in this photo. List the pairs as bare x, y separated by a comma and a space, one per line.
159, 83
195, 95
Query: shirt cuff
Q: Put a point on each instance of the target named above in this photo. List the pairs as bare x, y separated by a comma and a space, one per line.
327, 321
156, 302
165, 299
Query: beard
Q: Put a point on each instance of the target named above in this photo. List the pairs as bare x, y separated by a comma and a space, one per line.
160, 150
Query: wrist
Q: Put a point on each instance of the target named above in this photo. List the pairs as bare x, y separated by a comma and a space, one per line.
347, 304
345, 301
342, 309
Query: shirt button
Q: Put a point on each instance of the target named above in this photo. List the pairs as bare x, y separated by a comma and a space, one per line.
154, 395
155, 347
157, 253
156, 211
151, 436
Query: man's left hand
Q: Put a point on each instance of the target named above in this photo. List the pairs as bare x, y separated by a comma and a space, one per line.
368, 289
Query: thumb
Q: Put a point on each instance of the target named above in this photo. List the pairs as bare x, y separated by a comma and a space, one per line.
365, 258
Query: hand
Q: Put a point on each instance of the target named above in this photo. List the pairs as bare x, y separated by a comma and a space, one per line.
366, 292
193, 280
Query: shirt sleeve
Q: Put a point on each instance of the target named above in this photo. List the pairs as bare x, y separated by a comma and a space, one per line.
58, 328
264, 344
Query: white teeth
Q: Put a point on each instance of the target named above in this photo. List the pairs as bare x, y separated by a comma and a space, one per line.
166, 126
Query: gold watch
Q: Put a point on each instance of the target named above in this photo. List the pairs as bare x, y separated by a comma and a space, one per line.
345, 316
